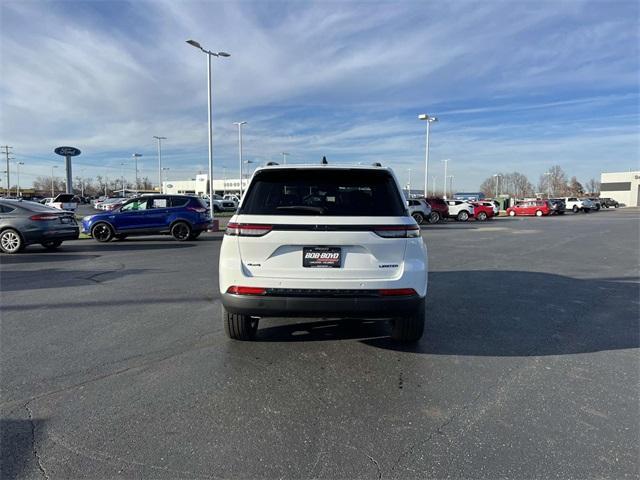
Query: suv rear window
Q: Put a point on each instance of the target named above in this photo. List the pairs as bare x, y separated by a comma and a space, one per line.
325, 191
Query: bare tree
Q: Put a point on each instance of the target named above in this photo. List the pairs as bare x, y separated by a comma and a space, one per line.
575, 187
593, 187
514, 184
44, 184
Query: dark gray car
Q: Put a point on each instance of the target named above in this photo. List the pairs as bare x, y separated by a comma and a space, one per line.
23, 223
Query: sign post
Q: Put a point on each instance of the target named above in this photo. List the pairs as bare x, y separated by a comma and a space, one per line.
67, 153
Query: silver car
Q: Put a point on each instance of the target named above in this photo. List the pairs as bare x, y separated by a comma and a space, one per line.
24, 223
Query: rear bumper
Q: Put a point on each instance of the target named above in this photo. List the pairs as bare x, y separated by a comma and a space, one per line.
330, 306
39, 236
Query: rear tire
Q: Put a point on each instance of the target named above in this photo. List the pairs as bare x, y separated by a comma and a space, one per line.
575, 209
434, 217
418, 217
51, 244
512, 213
239, 327
102, 232
409, 329
538, 213
482, 216
11, 241
181, 231
463, 216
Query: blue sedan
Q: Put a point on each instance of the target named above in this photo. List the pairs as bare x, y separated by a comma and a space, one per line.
182, 216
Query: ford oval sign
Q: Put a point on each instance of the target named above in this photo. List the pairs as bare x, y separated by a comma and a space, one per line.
67, 151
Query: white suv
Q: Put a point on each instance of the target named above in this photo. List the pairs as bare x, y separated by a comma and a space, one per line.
460, 210
323, 241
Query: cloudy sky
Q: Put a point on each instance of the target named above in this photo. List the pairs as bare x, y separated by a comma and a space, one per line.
517, 85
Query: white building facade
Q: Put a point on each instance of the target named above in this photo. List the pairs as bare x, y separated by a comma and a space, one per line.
623, 187
200, 186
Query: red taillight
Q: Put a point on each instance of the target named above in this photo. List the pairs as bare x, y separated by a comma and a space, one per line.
247, 230
44, 217
396, 292
198, 209
235, 290
397, 231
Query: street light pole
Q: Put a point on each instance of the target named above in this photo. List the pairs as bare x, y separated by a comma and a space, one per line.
548, 174
122, 177
433, 180
164, 169
135, 157
284, 157
52, 167
446, 161
239, 124
18, 175
409, 183
209, 54
159, 161
451, 184
429, 121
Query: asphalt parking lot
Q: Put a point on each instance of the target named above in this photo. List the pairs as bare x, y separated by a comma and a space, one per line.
115, 365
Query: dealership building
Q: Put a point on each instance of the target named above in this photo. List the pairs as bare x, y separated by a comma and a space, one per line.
200, 185
623, 187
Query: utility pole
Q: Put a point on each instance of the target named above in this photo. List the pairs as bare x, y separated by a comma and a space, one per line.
6, 152
446, 161
18, 183
159, 161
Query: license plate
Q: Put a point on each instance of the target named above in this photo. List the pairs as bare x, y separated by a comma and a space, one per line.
321, 257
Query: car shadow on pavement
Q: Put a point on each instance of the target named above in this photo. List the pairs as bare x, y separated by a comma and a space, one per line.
18, 440
13, 280
502, 313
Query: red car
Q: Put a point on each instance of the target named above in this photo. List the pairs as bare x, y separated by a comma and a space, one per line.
533, 207
482, 212
439, 209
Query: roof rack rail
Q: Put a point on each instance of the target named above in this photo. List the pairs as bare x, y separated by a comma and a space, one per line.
376, 164
271, 164
324, 161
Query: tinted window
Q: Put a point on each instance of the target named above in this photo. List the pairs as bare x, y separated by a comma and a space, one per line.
5, 209
179, 201
324, 192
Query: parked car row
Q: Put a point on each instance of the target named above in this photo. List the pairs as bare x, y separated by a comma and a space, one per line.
558, 206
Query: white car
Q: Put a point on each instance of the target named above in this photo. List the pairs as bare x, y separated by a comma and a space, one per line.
220, 204
419, 209
576, 204
64, 201
323, 241
232, 198
460, 210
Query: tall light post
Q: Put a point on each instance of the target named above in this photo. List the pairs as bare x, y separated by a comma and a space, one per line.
209, 54
159, 139
451, 184
240, 124
548, 174
429, 121
164, 169
18, 175
446, 162
136, 156
52, 167
284, 157
497, 183
409, 193
82, 182
122, 164
433, 181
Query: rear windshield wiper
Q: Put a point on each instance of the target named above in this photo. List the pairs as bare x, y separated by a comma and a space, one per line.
302, 208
